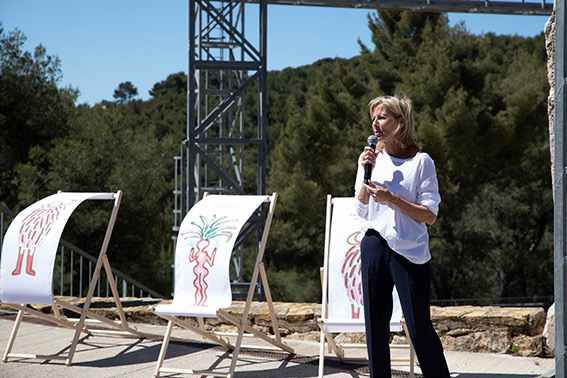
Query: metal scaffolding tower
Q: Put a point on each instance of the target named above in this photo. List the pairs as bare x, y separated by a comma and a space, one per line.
223, 146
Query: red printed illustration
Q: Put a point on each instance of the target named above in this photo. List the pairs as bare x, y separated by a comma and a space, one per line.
350, 270
200, 238
33, 231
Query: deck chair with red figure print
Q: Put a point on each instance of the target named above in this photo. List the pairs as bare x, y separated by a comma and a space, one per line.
202, 281
342, 304
26, 271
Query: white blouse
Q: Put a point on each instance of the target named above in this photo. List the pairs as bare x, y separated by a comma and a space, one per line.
412, 179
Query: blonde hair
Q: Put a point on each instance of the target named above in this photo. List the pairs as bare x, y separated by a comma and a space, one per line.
400, 107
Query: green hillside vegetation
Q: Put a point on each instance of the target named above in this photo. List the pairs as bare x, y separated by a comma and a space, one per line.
481, 105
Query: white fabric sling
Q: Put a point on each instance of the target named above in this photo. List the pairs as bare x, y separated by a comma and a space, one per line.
342, 307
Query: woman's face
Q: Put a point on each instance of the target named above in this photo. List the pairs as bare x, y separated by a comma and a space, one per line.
384, 124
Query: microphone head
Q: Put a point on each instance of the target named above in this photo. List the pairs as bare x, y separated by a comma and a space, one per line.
372, 140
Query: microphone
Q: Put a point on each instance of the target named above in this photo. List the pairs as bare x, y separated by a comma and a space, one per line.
372, 141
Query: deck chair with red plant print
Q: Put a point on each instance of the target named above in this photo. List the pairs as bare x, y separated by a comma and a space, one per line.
26, 271
202, 282
342, 304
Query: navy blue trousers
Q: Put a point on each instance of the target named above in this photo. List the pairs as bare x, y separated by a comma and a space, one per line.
382, 268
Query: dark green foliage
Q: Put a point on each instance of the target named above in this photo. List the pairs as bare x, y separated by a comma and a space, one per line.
33, 110
481, 114
107, 147
125, 92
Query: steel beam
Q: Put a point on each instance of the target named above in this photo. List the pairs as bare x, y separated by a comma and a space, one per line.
530, 7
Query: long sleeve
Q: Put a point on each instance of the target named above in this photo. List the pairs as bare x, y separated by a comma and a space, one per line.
428, 190
361, 208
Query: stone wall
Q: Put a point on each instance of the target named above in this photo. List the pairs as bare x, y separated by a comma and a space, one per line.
491, 329
463, 328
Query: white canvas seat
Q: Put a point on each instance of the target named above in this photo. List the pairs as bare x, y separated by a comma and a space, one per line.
202, 282
26, 270
342, 304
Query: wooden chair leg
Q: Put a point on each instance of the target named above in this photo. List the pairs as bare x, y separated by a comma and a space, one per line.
411, 351
17, 323
321, 355
163, 349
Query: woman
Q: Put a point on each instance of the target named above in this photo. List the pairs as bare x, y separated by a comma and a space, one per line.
400, 198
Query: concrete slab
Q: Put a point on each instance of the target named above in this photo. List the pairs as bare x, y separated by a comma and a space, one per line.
111, 356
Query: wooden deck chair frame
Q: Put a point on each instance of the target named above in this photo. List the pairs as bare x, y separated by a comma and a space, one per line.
87, 317
244, 328
326, 337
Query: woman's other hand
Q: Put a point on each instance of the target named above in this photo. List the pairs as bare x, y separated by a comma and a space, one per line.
378, 193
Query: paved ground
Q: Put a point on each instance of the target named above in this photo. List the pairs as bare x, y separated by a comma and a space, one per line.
110, 356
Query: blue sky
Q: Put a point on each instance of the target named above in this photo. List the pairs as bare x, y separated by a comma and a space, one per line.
105, 42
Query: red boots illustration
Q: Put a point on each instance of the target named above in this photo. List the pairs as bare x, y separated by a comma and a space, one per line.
29, 264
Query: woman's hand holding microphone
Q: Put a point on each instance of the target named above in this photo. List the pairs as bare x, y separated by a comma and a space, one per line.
378, 193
